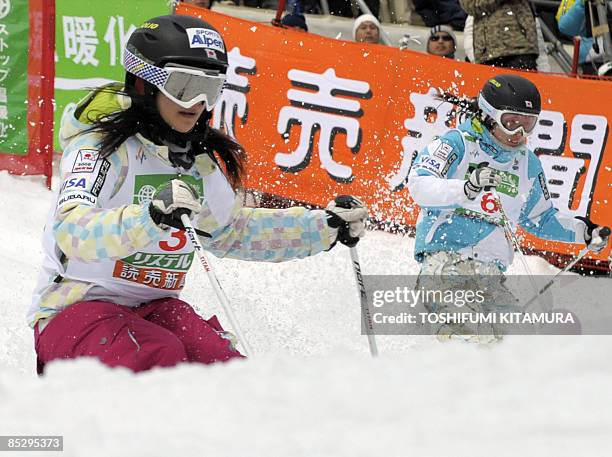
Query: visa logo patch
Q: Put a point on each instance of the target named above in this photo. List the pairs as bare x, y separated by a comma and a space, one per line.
205, 38
74, 182
432, 162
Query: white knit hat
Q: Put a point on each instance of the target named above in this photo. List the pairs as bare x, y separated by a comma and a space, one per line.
445, 29
365, 18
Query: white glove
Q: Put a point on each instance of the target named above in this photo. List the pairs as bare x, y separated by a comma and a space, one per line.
595, 236
481, 177
346, 217
171, 200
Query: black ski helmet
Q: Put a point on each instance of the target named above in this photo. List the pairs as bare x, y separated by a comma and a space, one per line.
178, 39
509, 93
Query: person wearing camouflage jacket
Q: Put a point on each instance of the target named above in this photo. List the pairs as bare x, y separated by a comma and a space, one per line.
504, 33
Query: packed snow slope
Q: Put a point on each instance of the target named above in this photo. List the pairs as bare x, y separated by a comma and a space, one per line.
311, 389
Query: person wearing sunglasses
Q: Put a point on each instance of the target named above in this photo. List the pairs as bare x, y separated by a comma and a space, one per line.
136, 157
478, 180
442, 41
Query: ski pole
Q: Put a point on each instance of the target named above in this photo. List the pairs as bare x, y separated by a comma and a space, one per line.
568, 267
577, 258
197, 246
515, 242
365, 309
510, 233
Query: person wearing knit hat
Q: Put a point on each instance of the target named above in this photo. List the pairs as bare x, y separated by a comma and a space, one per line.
366, 29
295, 21
442, 41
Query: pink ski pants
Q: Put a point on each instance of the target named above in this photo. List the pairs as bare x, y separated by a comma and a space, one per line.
161, 333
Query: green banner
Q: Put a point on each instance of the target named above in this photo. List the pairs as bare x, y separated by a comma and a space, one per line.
14, 32
90, 37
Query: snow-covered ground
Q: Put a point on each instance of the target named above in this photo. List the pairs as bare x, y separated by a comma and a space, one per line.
312, 389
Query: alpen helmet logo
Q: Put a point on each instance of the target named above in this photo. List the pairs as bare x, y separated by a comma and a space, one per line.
528, 104
205, 38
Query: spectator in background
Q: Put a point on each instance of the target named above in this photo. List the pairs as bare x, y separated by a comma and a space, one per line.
442, 41
468, 39
542, 63
366, 29
504, 33
310, 7
295, 22
201, 3
438, 12
571, 18
346, 8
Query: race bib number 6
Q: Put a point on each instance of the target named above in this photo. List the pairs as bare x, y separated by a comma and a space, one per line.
489, 203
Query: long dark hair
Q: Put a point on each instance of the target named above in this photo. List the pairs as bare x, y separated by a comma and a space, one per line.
142, 117
466, 106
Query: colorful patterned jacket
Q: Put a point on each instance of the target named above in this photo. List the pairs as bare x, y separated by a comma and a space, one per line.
101, 244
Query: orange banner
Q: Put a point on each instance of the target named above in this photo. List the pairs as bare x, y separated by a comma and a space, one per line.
320, 117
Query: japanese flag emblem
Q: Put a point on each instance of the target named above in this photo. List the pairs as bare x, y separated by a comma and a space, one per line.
85, 161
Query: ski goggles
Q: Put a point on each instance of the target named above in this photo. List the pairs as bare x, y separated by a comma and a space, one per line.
185, 86
510, 122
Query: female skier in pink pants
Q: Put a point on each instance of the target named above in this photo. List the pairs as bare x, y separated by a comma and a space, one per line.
135, 158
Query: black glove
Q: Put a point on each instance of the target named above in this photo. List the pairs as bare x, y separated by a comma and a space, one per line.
595, 236
346, 217
170, 201
481, 177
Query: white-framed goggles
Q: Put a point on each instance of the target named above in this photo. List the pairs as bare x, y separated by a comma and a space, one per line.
509, 122
184, 85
